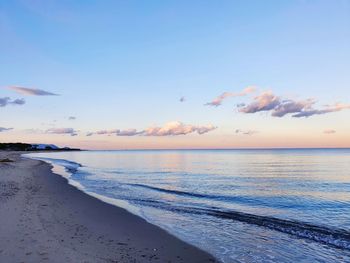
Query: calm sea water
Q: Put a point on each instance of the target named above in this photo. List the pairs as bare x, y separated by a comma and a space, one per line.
240, 205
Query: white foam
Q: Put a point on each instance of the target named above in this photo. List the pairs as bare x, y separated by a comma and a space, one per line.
62, 171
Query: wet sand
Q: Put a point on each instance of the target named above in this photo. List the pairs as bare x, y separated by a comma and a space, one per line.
44, 219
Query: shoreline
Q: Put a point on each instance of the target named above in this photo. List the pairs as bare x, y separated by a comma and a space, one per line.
45, 219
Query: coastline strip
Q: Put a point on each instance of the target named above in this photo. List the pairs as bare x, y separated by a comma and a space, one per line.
45, 218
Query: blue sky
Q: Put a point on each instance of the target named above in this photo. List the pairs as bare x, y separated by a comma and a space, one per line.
125, 64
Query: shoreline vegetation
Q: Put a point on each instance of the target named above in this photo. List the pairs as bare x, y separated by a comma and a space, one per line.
33, 147
43, 218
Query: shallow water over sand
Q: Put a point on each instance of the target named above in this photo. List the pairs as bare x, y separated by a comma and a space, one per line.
240, 205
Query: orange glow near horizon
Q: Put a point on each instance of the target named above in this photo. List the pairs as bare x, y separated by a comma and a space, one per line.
187, 142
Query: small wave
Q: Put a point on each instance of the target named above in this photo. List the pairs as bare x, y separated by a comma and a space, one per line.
163, 190
70, 166
339, 238
266, 201
139, 172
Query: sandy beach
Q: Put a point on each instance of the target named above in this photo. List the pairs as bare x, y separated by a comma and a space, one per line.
44, 219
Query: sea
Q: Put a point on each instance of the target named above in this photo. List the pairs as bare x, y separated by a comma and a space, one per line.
246, 205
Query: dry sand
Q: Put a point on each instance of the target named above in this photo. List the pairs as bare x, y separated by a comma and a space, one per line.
44, 219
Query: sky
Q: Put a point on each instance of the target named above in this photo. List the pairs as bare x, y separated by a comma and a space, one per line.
175, 74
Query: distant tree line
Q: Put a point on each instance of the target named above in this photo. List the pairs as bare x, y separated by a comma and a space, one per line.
15, 146
29, 147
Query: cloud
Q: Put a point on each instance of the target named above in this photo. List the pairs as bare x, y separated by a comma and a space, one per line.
265, 102
329, 131
204, 129
169, 129
177, 128
117, 132
240, 105
31, 92
2, 129
72, 118
279, 107
246, 132
129, 132
182, 99
7, 101
290, 106
69, 131
218, 100
328, 109
106, 132
18, 102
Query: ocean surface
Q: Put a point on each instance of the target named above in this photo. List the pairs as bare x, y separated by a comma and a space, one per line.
285, 205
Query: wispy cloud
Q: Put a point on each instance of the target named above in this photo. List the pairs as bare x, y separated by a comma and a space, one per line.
69, 131
72, 118
106, 132
2, 129
31, 92
218, 100
33, 131
328, 109
117, 132
267, 101
246, 132
7, 101
169, 129
329, 131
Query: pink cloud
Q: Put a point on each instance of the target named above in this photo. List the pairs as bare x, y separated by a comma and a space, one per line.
218, 100
31, 92
264, 102
169, 129
177, 128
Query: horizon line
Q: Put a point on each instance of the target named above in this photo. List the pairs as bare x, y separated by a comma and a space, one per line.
203, 149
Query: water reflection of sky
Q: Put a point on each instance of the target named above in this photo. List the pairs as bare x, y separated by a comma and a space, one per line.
305, 185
